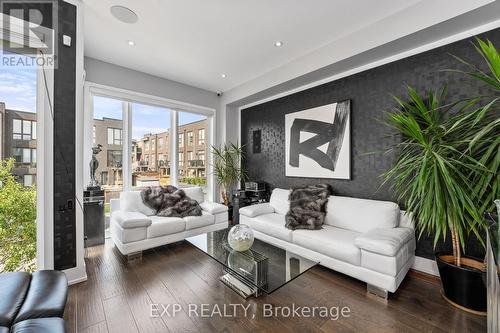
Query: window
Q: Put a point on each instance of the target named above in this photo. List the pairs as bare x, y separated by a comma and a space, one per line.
23, 129
108, 125
114, 136
104, 178
115, 159
181, 159
24, 155
33, 130
148, 145
17, 129
191, 170
28, 180
181, 140
201, 136
149, 127
201, 157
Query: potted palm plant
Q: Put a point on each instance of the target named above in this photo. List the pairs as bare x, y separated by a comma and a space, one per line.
447, 173
227, 168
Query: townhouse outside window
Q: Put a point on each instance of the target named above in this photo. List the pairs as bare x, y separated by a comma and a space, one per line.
181, 159
24, 156
201, 136
115, 136
181, 140
190, 139
23, 129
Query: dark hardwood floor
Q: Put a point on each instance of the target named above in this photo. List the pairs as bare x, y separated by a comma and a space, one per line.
118, 295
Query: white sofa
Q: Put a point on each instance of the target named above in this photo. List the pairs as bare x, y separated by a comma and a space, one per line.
370, 240
134, 226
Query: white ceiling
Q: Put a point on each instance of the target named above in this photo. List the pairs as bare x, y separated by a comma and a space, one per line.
195, 41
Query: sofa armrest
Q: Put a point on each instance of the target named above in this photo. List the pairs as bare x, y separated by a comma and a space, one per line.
213, 207
114, 205
256, 210
129, 220
384, 241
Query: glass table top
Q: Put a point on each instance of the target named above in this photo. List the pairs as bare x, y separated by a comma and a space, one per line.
264, 266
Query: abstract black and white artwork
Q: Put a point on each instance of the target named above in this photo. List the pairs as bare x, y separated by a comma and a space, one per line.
318, 142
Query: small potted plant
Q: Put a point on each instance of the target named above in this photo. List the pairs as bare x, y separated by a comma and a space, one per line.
228, 170
447, 173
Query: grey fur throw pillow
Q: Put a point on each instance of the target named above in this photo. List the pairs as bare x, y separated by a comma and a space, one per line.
308, 207
170, 201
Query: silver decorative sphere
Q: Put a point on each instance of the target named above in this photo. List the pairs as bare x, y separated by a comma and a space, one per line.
240, 237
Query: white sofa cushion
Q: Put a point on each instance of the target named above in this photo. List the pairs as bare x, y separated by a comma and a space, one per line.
271, 224
333, 242
193, 222
361, 215
384, 241
128, 220
279, 201
195, 193
213, 207
131, 201
162, 226
256, 210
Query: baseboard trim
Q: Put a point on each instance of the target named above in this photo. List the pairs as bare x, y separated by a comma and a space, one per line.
425, 265
76, 275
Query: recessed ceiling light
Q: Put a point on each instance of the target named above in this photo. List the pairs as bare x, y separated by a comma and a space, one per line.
223, 76
131, 43
124, 14
278, 43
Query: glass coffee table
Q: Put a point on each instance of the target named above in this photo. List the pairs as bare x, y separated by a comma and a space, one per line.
262, 269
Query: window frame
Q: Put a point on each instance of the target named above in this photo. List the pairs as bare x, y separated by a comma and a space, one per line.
200, 142
114, 140
23, 133
129, 97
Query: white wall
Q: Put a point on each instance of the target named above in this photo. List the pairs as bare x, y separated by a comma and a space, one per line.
104, 73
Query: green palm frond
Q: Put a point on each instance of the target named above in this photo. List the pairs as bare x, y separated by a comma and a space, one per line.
448, 161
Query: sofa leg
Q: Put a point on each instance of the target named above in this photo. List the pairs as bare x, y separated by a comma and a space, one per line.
379, 293
134, 256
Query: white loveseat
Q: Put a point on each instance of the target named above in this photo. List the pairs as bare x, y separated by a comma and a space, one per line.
370, 240
134, 226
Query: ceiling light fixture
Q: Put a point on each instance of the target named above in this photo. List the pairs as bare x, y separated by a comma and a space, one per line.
124, 14
223, 76
278, 43
131, 43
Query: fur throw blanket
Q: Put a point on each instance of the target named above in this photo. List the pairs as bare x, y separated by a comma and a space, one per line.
170, 201
308, 207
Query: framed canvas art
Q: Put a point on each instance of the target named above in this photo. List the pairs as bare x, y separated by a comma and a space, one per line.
318, 142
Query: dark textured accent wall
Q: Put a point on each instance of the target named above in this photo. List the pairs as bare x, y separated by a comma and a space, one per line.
64, 142
371, 94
